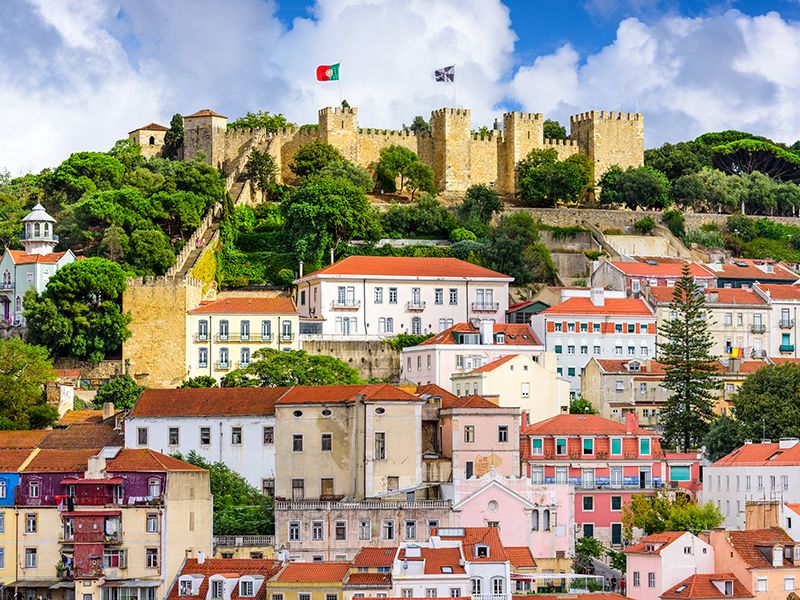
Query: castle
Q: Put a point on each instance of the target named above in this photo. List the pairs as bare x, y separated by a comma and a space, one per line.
458, 157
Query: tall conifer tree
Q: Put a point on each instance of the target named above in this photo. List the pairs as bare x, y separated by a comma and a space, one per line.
691, 370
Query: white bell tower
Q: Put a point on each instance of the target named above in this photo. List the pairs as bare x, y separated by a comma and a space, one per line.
38, 236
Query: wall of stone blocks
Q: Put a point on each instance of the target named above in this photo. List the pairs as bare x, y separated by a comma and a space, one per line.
373, 359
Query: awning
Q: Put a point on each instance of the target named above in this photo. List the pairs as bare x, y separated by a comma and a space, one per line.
82, 481
34, 583
67, 585
131, 583
589, 465
92, 513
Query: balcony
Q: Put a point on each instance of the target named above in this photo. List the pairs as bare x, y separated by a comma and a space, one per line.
244, 541
6, 286
786, 347
237, 337
346, 304
485, 306
317, 505
41, 237
758, 328
287, 337
222, 366
201, 337
415, 306
786, 323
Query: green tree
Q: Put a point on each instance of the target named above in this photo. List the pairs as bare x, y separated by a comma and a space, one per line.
645, 225
407, 340
749, 155
115, 244
359, 176
515, 250
636, 187
79, 312
426, 217
201, 381
85, 172
274, 368
419, 125
663, 512
545, 179
261, 168
25, 369
768, 403
581, 406
419, 177
150, 252
173, 138
691, 370
311, 158
587, 549
723, 437
480, 203
553, 130
393, 163
122, 391
260, 119
675, 222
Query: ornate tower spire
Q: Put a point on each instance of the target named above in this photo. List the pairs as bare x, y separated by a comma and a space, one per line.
38, 236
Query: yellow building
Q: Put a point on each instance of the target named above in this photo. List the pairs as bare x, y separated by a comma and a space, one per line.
309, 581
224, 334
527, 382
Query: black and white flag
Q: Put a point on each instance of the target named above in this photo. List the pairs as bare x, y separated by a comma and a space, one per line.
446, 74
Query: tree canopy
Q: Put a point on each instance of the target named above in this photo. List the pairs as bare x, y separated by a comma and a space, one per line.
24, 371
768, 403
275, 368
635, 187
312, 157
553, 130
515, 250
122, 391
173, 138
544, 179
749, 155
397, 162
260, 119
665, 513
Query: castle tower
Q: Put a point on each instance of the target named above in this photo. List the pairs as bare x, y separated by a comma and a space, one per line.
339, 128
609, 138
204, 131
150, 138
450, 130
522, 132
38, 236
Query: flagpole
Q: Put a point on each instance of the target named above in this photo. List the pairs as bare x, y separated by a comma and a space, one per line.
339, 79
454, 86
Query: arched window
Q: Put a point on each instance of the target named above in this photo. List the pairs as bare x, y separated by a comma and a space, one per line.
416, 326
535, 520
477, 585
498, 586
154, 487
7, 278
47, 230
18, 305
546, 520
36, 229
152, 140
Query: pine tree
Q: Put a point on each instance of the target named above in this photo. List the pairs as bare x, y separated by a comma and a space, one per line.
691, 370
173, 139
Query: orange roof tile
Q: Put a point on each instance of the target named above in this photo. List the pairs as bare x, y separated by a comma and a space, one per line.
205, 112
395, 266
150, 127
780, 291
20, 257
431, 389
248, 306
222, 566
206, 402
662, 268
724, 295
494, 364
748, 542
516, 334
733, 269
313, 572
576, 425
81, 416
754, 455
335, 394
147, 461
437, 560
28, 438
473, 401
611, 306
520, 556
83, 435
702, 587
369, 579
370, 556
60, 461
474, 536
658, 542
646, 367
11, 460
780, 360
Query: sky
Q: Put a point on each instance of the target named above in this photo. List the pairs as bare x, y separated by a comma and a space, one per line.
79, 74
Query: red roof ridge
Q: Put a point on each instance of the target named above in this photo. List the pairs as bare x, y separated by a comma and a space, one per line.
204, 112
397, 266
247, 305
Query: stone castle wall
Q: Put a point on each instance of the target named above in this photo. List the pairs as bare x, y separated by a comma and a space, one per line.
373, 359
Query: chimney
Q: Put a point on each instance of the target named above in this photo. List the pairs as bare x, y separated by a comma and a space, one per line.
487, 332
525, 417
787, 442
108, 410
733, 365
631, 421
332, 256
713, 297
201, 557
597, 296
301, 270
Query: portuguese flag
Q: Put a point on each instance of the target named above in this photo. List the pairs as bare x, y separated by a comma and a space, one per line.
328, 72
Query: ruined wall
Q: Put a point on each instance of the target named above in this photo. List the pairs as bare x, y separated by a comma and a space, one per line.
373, 359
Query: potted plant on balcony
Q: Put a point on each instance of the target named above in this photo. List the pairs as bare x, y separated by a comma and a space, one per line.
60, 569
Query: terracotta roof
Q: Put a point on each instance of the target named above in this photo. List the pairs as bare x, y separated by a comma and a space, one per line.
11, 460
589, 596
22, 439
226, 566
611, 306
60, 461
147, 461
494, 364
576, 425
20, 257
81, 416
437, 560
753, 455
520, 556
205, 402
780, 360
324, 394
205, 112
516, 334
473, 401
313, 572
395, 266
248, 306
83, 435
370, 556
793, 507
150, 127
431, 389
724, 295
747, 543
646, 367
702, 587
369, 579
473, 536
662, 268
733, 269
780, 292
658, 541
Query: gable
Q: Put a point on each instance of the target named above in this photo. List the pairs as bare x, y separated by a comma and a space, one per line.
492, 490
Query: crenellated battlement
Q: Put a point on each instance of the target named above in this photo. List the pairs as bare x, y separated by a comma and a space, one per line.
454, 112
606, 115
492, 136
369, 131
523, 116
567, 143
338, 110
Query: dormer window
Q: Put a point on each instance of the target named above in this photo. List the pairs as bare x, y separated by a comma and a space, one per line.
246, 588
728, 588
481, 551
649, 548
634, 366
33, 489
447, 569
500, 338
217, 588
185, 587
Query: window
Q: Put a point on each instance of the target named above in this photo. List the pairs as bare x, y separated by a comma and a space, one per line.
631, 350
430, 592
378, 295
410, 530
476, 586
557, 349
223, 330
455, 592
268, 486
618, 327
680, 473
340, 530
502, 434
616, 446
453, 296
761, 584
202, 358
616, 533
380, 445
223, 358
115, 558
651, 580
246, 588
407, 593
498, 586
388, 530
141, 436
570, 349
205, 436
30, 558
644, 446
588, 503
438, 296
587, 478
151, 524
244, 357
327, 442
154, 487
269, 435
392, 295
33, 488
526, 388
562, 475
174, 436
571, 371
297, 442
303, 596
636, 579
728, 319
788, 584
595, 349
236, 436
216, 588
30, 523
537, 474
588, 446
537, 446
266, 330
298, 489
416, 297
294, 531
416, 328
244, 330
618, 350
3, 522
469, 434
616, 503
364, 530
561, 446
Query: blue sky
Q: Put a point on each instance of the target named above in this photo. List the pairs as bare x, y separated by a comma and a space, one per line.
79, 74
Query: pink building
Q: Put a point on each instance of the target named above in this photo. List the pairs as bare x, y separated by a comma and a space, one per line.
660, 561
635, 275
708, 586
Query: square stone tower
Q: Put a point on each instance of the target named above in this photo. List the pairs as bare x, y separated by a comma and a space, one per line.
204, 131
339, 127
450, 130
150, 138
609, 138
522, 132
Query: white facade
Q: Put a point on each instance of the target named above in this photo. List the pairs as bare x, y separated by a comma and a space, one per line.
784, 303
244, 443
344, 301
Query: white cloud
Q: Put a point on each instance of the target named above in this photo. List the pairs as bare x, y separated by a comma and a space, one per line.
727, 71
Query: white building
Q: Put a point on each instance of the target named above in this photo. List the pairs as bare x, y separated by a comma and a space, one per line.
753, 472
224, 334
602, 327
232, 425
463, 347
380, 296
784, 302
22, 270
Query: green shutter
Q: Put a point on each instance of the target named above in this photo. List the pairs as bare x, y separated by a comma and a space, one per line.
677, 473
616, 446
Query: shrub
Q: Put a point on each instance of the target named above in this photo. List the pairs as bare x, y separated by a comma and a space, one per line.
284, 277
461, 235
645, 225
613, 231
593, 254
563, 233
675, 222
406, 340
705, 237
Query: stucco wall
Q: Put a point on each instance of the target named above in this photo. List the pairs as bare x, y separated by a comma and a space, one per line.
374, 359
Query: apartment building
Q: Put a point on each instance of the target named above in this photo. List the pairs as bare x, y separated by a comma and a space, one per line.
745, 272
580, 328
783, 301
463, 347
708, 586
634, 275
232, 425
224, 334
309, 581
223, 578
382, 296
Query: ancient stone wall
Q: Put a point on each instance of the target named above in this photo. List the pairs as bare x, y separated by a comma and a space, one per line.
609, 138
483, 159
450, 129
565, 148
373, 359
372, 141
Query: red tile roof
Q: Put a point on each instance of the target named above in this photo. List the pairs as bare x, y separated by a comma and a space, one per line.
646, 367
394, 266
370, 556
516, 334
83, 435
334, 394
437, 560
780, 360
724, 295
369, 579
205, 402
474, 536
473, 401
205, 112
147, 461
11, 460
150, 127
658, 541
494, 364
661, 268
313, 572
247, 306
60, 461
21, 439
222, 566
589, 596
732, 270
702, 587
431, 389
611, 306
780, 292
747, 543
520, 556
753, 455
576, 425
81, 416
20, 257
